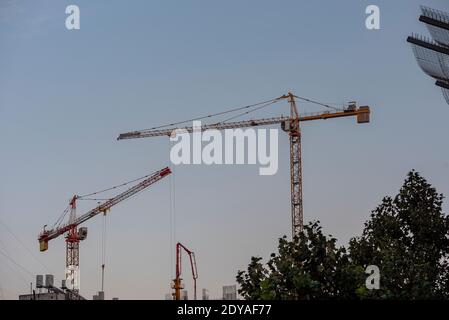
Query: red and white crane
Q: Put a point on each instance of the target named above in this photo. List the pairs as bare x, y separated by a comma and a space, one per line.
177, 285
75, 234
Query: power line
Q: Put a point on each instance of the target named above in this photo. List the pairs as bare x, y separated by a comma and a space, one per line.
2, 295
17, 264
17, 274
27, 249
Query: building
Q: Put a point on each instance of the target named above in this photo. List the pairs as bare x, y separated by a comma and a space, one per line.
205, 294
432, 54
184, 295
230, 292
43, 296
99, 296
48, 291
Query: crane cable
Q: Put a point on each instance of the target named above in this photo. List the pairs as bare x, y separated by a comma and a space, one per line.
170, 209
172, 217
61, 217
86, 197
112, 188
318, 103
172, 223
217, 114
258, 106
247, 112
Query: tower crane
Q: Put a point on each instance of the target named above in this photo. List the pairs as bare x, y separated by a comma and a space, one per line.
75, 234
288, 124
177, 285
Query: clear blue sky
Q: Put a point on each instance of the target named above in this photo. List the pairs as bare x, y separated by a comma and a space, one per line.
66, 95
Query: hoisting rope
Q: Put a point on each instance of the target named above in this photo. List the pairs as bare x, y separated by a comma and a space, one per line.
103, 251
172, 224
172, 217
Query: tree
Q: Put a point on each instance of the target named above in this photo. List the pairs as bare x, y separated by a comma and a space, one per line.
407, 237
309, 267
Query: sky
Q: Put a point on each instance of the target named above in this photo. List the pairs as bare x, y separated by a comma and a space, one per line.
65, 95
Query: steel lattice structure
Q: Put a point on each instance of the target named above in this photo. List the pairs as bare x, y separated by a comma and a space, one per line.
291, 125
432, 54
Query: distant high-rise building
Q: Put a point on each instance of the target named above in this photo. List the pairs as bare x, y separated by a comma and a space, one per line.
433, 54
184, 295
230, 292
205, 295
99, 296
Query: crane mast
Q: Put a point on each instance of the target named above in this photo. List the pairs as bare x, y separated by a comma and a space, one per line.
291, 125
72, 249
75, 234
295, 167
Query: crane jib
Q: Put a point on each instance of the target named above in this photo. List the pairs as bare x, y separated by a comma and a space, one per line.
362, 114
48, 235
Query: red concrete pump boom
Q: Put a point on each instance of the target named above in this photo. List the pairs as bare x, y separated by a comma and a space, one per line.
177, 285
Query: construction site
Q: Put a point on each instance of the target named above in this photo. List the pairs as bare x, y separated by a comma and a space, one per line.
68, 225
100, 210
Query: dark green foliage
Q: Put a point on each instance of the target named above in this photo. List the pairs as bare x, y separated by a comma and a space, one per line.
406, 237
310, 267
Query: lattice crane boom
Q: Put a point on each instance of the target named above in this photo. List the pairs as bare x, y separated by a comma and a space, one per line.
361, 113
48, 235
